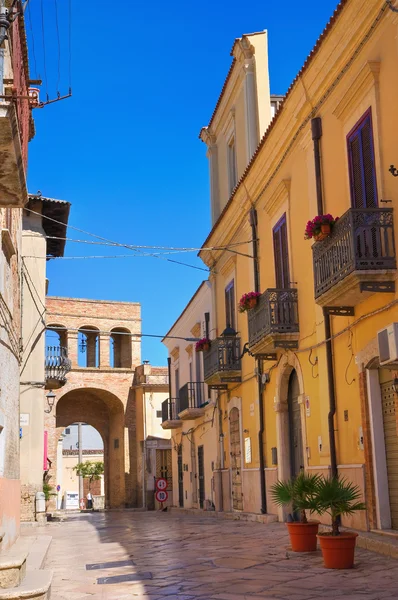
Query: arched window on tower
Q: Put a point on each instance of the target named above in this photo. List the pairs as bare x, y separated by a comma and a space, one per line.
88, 347
120, 350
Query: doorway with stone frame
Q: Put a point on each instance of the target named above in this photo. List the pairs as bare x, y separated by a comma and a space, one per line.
290, 421
383, 417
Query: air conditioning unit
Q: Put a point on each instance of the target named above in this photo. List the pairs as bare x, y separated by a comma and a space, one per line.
388, 345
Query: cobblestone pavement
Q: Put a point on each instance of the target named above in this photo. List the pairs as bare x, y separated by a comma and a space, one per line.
189, 558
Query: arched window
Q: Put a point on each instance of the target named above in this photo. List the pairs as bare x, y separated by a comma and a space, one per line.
88, 347
120, 350
56, 335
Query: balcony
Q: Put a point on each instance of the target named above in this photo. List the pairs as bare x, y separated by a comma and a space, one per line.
57, 365
222, 362
13, 192
357, 259
170, 418
273, 323
192, 400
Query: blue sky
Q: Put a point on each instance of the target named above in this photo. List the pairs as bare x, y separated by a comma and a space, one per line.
124, 150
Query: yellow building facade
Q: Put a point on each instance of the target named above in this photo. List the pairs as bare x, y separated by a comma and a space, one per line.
298, 378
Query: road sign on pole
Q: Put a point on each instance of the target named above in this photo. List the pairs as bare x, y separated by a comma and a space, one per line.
161, 496
161, 484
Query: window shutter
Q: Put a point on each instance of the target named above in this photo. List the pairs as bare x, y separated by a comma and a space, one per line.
281, 255
230, 304
285, 256
361, 164
368, 165
356, 173
277, 259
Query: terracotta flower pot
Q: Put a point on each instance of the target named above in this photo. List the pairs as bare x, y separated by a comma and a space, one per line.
205, 347
338, 551
252, 302
325, 228
303, 536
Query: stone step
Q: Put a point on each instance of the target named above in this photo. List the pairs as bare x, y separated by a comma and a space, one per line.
36, 585
13, 563
233, 516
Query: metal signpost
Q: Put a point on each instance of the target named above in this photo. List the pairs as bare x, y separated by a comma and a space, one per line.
161, 495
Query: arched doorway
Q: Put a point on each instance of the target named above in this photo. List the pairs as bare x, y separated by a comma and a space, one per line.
105, 413
68, 457
295, 429
236, 459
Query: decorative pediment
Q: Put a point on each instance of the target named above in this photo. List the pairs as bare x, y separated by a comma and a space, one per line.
227, 266
196, 330
358, 88
280, 195
175, 353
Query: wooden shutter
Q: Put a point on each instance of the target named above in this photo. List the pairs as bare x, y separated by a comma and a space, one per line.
281, 255
362, 164
230, 304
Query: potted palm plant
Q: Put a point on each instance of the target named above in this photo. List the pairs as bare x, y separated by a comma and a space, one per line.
336, 496
300, 493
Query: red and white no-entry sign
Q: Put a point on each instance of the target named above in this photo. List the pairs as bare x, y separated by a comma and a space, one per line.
161, 496
161, 484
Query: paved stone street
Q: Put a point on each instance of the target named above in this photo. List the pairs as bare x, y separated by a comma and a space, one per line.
188, 557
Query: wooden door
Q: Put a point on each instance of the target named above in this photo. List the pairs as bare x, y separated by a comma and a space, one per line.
201, 472
295, 431
236, 459
389, 405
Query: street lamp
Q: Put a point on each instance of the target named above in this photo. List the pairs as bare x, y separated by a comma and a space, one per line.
50, 401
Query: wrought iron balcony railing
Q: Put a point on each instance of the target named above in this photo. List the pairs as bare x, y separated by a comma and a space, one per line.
362, 240
170, 410
192, 395
57, 365
223, 358
276, 313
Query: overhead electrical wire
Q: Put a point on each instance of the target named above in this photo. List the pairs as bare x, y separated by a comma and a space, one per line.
44, 48
135, 248
33, 40
58, 43
70, 46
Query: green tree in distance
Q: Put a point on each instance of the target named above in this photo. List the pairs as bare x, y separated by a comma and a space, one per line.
90, 470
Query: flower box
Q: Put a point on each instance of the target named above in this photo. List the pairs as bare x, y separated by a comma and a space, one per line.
320, 227
248, 301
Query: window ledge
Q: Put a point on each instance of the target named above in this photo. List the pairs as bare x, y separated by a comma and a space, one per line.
7, 244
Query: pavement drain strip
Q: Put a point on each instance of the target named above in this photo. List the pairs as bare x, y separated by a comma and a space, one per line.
110, 565
123, 578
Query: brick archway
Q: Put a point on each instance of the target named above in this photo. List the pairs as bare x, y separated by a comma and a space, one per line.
105, 412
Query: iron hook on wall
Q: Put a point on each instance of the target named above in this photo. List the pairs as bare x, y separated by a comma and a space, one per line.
393, 171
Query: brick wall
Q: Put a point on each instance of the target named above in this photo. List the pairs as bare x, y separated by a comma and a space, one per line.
100, 396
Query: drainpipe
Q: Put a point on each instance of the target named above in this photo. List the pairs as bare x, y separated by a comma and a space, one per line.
253, 225
207, 322
169, 373
4, 25
332, 394
316, 128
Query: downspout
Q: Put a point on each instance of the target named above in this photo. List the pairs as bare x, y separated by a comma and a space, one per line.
4, 25
169, 373
316, 128
259, 365
332, 394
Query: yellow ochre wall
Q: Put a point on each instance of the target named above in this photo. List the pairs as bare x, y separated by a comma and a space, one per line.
282, 180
